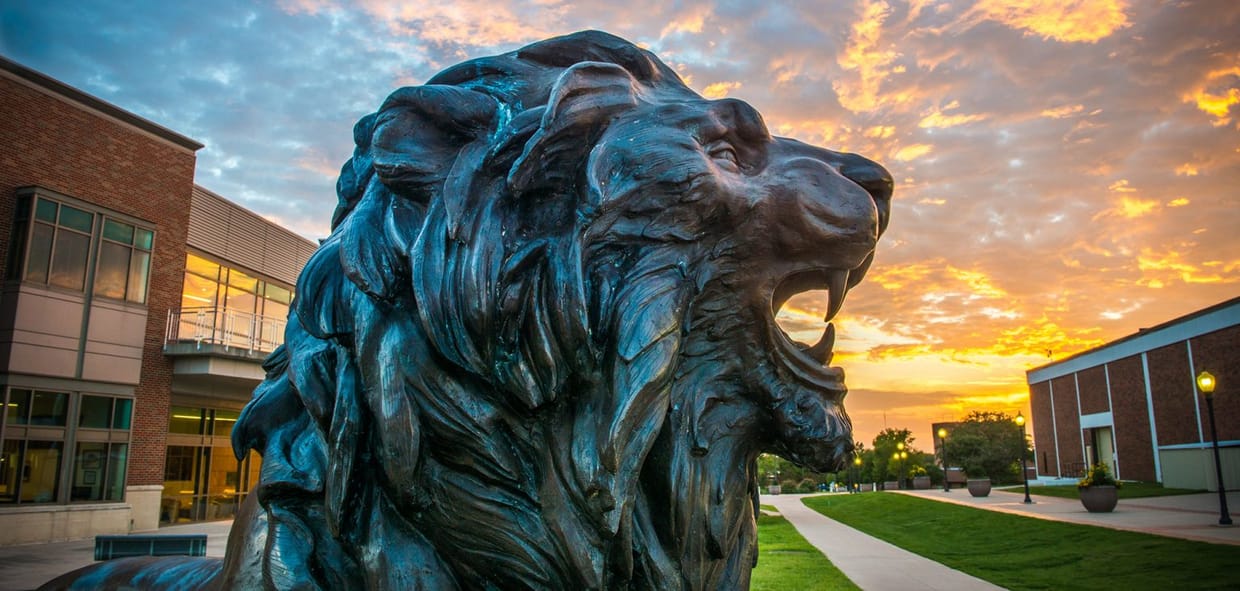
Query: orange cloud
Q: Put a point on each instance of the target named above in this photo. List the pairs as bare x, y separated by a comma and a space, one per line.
1070, 21
867, 58
1186, 169
912, 152
1064, 111
880, 132
719, 90
1214, 98
1168, 266
477, 22
937, 119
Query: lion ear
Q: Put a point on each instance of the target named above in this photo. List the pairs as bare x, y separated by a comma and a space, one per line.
583, 101
419, 132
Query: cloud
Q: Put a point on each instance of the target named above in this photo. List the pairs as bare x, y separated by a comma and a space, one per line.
718, 90
1065, 170
1072, 21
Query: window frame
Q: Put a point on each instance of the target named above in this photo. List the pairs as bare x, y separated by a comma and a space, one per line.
23, 235
68, 438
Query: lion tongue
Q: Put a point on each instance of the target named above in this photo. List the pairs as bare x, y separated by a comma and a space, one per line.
822, 351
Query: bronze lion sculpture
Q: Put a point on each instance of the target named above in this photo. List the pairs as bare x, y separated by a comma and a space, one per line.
538, 350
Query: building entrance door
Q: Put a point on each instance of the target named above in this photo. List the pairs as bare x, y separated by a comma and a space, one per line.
1104, 443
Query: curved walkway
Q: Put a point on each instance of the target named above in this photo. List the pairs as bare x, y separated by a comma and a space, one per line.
870, 562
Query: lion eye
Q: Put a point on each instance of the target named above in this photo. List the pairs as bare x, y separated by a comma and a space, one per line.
726, 158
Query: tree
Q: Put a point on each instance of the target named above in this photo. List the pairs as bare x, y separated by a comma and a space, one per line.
987, 444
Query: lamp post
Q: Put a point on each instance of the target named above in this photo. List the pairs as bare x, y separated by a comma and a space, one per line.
947, 486
1024, 470
1206, 383
904, 470
899, 456
856, 480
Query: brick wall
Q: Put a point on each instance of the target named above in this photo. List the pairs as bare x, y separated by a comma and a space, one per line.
1092, 383
1043, 428
1171, 382
1216, 352
1131, 417
73, 150
1067, 423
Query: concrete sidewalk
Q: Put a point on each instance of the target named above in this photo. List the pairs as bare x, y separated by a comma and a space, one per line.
869, 562
1189, 517
27, 566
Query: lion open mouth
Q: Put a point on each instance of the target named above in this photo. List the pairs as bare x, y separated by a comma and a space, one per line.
811, 362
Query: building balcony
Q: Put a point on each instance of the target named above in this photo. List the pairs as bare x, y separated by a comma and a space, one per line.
219, 352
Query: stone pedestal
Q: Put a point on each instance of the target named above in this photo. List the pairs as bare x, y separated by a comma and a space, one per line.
144, 498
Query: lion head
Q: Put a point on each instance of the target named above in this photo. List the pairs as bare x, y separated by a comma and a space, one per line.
539, 348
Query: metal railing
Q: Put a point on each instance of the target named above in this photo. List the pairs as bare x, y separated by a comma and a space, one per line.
232, 329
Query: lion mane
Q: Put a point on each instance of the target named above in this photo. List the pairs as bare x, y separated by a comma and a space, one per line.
538, 349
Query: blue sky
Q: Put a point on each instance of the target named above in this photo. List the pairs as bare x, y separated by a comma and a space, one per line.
1066, 169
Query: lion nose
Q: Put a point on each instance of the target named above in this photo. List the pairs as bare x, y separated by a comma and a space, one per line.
872, 177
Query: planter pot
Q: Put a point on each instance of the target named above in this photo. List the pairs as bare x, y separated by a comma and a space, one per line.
1099, 499
921, 482
978, 487
774, 489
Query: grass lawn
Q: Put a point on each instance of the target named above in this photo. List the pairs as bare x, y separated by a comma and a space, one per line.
1026, 553
1129, 490
787, 561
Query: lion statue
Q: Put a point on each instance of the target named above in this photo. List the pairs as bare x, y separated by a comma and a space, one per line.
539, 348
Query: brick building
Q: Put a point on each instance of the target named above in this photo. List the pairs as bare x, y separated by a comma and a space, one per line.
99, 217
1133, 404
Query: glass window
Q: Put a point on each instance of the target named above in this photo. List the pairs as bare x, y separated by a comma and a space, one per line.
144, 239
88, 471
120, 419
32, 470
40, 471
189, 421
69, 260
112, 271
118, 458
118, 232
202, 267
17, 246
46, 211
279, 294
10, 465
49, 408
241, 280
122, 269
99, 472
182, 467
59, 250
74, 218
224, 421
18, 407
40, 253
139, 271
96, 412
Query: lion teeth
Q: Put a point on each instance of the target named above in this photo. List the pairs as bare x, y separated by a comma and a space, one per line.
837, 283
822, 351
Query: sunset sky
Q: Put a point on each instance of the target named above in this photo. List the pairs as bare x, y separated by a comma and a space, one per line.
1067, 171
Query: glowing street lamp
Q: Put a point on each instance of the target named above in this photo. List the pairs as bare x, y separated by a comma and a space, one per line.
1206, 383
947, 486
857, 480
1024, 470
